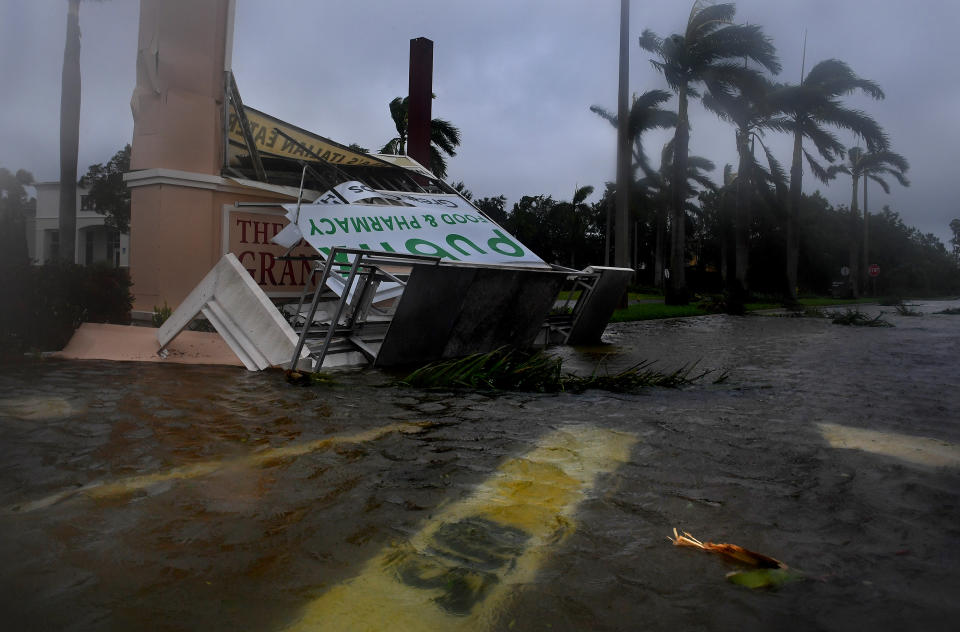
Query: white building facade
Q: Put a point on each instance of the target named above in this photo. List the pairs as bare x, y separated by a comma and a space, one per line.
94, 240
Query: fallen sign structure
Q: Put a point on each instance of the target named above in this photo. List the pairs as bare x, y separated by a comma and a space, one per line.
404, 271
384, 307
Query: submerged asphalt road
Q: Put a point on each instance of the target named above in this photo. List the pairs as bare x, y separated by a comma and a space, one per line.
145, 497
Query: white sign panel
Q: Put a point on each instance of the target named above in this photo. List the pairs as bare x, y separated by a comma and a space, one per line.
424, 224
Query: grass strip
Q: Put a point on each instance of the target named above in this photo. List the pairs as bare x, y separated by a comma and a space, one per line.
654, 311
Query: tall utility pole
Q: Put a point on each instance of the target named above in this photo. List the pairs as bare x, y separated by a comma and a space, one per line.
621, 246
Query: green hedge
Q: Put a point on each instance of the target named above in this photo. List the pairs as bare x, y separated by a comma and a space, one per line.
44, 305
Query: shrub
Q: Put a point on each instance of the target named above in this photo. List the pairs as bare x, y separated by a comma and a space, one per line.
161, 314
47, 303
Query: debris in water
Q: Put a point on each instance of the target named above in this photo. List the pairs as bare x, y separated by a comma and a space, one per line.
764, 577
307, 378
767, 572
729, 551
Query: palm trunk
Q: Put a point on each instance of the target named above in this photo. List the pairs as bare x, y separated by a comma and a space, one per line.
724, 245
69, 134
658, 249
677, 293
865, 256
794, 198
854, 243
606, 236
742, 222
621, 241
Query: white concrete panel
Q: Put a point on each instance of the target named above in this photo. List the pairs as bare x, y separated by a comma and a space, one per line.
241, 313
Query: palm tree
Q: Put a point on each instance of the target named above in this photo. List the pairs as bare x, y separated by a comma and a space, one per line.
15, 208
658, 191
645, 115
570, 224
444, 137
703, 54
748, 111
809, 109
869, 165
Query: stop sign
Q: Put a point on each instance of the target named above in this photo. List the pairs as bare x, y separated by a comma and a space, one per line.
873, 270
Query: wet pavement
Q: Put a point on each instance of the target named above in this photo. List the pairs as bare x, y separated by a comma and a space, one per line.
145, 497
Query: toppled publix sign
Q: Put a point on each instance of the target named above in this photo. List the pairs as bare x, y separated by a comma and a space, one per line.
441, 225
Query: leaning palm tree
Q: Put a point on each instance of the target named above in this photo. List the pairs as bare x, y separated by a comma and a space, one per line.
809, 110
747, 110
869, 165
645, 115
444, 137
703, 54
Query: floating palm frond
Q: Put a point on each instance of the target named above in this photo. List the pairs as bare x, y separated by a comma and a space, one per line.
765, 571
906, 310
730, 551
856, 318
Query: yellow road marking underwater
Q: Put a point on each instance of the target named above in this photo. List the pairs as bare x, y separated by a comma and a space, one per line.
457, 571
263, 457
919, 450
37, 407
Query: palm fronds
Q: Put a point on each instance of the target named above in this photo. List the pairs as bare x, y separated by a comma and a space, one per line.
856, 318
501, 369
508, 369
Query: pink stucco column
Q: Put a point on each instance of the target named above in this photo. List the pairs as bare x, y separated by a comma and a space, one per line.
175, 233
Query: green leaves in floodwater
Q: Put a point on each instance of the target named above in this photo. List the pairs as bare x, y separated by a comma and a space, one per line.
306, 378
764, 577
503, 369
856, 318
508, 369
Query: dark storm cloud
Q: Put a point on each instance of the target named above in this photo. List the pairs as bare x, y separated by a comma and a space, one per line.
516, 77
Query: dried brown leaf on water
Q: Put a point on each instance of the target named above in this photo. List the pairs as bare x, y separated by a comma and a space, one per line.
729, 551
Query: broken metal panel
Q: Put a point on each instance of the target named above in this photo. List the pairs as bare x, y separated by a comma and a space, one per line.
451, 310
278, 138
244, 127
595, 306
350, 322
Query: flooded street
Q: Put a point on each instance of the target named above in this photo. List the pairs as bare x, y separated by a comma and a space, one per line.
158, 497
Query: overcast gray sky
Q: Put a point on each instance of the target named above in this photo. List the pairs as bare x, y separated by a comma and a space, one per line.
516, 76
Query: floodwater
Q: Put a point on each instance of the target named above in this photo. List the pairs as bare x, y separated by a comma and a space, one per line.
146, 497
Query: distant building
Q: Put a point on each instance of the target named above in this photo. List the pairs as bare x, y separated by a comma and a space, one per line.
95, 241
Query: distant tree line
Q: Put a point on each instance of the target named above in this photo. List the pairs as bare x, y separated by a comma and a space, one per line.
573, 233
755, 231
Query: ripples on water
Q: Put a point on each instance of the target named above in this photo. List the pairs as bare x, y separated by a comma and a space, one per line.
230, 543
